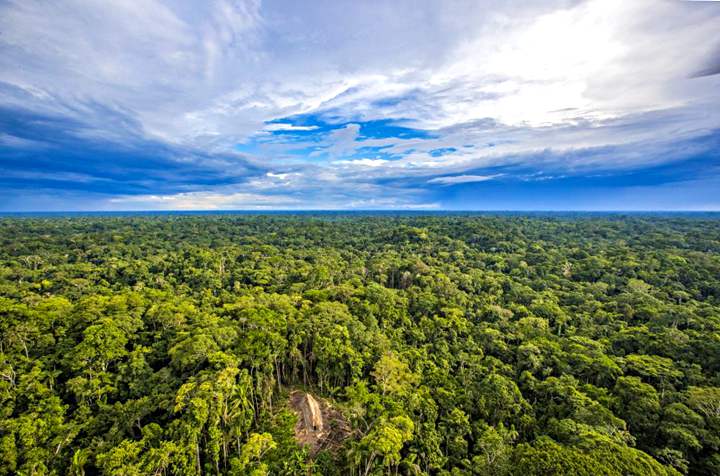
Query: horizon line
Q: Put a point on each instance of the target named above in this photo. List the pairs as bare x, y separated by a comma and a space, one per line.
359, 210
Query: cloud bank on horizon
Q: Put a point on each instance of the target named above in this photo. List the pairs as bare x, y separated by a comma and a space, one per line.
234, 104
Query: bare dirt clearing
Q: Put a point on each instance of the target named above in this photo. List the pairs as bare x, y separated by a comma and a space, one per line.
319, 425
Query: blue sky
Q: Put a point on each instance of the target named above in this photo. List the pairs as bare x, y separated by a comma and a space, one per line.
458, 105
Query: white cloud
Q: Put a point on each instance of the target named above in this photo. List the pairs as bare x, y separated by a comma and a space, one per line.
363, 162
329, 197
10, 140
204, 201
456, 179
279, 126
391, 204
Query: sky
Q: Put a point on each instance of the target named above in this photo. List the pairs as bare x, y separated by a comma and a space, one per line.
362, 105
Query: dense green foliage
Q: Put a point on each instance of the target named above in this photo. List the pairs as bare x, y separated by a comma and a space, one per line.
454, 345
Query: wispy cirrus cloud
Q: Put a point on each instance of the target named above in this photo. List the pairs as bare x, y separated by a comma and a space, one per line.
454, 179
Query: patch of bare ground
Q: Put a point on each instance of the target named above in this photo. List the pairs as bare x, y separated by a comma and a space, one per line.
319, 425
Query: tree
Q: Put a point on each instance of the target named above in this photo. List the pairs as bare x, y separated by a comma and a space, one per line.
393, 376
385, 441
495, 446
